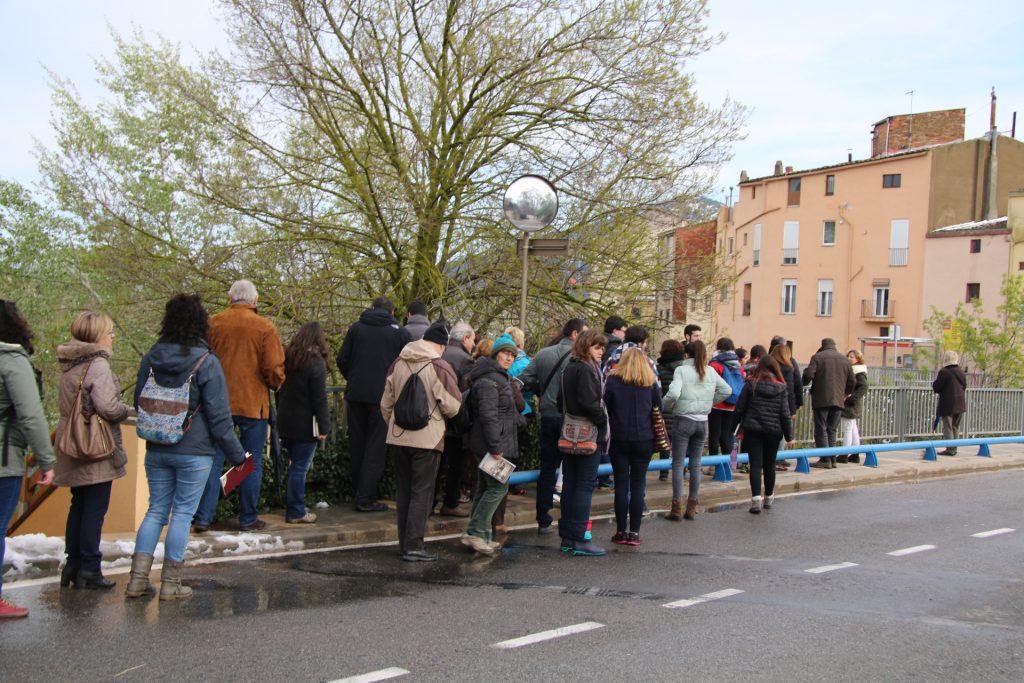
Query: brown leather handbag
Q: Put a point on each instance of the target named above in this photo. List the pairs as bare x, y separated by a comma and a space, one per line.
85, 437
661, 439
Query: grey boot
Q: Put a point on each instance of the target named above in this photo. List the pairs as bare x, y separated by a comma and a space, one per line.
138, 581
170, 582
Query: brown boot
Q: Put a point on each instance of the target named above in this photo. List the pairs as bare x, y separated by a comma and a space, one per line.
691, 508
855, 459
841, 459
170, 582
138, 581
676, 513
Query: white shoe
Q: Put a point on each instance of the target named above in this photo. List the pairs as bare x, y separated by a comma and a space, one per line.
768, 500
479, 545
755, 505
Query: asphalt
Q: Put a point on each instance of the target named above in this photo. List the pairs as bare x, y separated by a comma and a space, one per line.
339, 526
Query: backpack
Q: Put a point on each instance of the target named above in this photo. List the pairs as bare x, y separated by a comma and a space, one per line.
412, 409
163, 416
734, 378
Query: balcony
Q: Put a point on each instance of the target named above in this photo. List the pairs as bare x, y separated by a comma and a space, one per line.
898, 257
878, 311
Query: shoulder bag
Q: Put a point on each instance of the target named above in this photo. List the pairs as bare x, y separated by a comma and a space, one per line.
578, 435
85, 437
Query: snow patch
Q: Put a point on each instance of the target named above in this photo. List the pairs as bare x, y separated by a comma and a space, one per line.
322, 505
26, 551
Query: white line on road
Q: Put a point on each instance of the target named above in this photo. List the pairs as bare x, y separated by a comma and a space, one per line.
547, 635
717, 595
994, 532
382, 675
911, 551
830, 567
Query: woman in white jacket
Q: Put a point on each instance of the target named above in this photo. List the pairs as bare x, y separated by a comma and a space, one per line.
695, 388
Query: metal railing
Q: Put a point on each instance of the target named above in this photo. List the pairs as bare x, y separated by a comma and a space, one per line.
898, 256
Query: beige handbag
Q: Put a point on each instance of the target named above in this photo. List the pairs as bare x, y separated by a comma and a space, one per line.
85, 437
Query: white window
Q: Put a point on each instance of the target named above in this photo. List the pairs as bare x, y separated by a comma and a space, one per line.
828, 233
789, 297
899, 242
825, 297
881, 307
757, 244
790, 242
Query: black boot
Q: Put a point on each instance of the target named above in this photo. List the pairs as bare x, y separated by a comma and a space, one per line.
93, 580
68, 575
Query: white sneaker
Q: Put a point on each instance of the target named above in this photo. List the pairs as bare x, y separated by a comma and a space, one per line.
479, 545
768, 500
755, 505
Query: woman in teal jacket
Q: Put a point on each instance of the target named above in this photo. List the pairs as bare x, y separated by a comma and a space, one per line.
695, 388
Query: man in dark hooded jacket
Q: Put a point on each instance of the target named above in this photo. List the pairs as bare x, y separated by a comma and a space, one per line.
371, 345
831, 378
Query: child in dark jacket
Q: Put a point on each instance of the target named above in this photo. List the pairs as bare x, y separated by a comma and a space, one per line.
763, 412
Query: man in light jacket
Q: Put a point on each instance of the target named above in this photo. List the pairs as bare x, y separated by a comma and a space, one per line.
831, 378
418, 451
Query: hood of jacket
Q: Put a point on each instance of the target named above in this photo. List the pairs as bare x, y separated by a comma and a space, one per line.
75, 352
486, 365
860, 368
173, 359
419, 351
377, 317
727, 358
769, 388
13, 348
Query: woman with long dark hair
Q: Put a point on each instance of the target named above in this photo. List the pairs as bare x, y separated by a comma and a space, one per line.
794, 386
85, 367
302, 415
763, 412
670, 358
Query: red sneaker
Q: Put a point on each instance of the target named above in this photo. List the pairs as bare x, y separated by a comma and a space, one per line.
620, 537
633, 538
11, 611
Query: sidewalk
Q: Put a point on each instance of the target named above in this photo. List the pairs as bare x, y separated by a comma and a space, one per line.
340, 526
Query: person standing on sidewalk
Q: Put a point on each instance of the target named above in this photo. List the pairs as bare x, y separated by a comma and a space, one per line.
22, 426
722, 418
418, 451
459, 354
371, 345
831, 378
302, 414
951, 386
763, 414
782, 354
852, 407
670, 358
251, 354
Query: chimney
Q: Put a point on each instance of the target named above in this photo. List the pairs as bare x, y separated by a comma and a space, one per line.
743, 176
991, 205
778, 168
789, 169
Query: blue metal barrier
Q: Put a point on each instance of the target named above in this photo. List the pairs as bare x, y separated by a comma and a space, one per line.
723, 472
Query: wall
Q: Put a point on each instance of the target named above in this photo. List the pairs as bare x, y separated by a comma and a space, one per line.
910, 131
949, 266
959, 176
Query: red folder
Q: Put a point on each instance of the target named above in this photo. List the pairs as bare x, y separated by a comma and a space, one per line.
236, 475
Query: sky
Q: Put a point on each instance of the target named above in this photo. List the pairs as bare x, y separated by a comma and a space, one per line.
814, 74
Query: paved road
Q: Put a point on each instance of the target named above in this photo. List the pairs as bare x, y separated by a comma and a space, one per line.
900, 588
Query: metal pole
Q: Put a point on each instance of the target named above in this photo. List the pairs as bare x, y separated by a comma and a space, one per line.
522, 293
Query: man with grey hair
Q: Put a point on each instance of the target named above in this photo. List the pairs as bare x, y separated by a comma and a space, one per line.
457, 353
251, 354
951, 386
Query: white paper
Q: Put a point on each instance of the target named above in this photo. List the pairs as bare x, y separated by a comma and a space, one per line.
499, 469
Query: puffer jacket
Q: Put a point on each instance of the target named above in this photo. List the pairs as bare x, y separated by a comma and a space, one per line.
763, 407
371, 346
852, 408
495, 416
442, 392
25, 427
101, 392
666, 371
688, 395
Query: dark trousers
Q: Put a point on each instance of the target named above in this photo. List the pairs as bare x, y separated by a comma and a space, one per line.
721, 424
826, 426
579, 475
629, 462
415, 473
85, 524
762, 448
550, 461
366, 433
453, 462
10, 491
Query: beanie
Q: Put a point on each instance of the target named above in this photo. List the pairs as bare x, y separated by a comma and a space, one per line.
437, 333
503, 343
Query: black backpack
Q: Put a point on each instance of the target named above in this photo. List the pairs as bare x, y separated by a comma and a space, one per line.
412, 408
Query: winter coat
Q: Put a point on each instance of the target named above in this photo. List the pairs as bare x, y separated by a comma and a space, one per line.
442, 393
522, 362
951, 386
371, 346
719, 362
538, 371
252, 357
459, 358
629, 409
101, 395
667, 370
763, 407
24, 428
417, 326
831, 378
794, 387
301, 400
211, 426
495, 415
689, 395
854, 402
584, 394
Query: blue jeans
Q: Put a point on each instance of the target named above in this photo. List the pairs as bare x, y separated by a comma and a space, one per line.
550, 460
10, 491
300, 453
629, 462
688, 437
175, 484
253, 435
579, 474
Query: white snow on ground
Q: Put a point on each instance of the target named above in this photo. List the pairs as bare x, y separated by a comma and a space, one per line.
26, 550
322, 505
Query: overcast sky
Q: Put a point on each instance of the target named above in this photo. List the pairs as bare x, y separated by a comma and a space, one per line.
815, 73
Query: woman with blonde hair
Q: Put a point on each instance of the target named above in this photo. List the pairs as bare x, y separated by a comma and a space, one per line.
631, 394
85, 367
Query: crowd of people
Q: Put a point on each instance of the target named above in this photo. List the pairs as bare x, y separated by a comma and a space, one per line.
439, 396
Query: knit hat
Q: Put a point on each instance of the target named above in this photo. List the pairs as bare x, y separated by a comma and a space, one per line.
437, 333
503, 343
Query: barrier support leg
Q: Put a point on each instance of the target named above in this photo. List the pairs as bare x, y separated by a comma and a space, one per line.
723, 472
802, 465
929, 454
870, 459
983, 451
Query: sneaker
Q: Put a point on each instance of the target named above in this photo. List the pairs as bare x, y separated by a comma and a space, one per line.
545, 529
418, 556
620, 538
633, 538
9, 610
308, 518
755, 505
587, 549
567, 545
768, 500
479, 545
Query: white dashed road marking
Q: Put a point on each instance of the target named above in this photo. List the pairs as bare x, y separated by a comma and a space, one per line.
911, 551
994, 532
830, 567
717, 595
382, 675
547, 635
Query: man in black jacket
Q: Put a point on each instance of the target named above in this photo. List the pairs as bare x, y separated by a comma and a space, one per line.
371, 345
831, 378
951, 386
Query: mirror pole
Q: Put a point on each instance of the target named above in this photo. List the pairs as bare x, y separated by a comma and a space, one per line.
522, 293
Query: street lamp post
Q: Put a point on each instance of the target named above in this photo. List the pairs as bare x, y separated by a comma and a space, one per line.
531, 203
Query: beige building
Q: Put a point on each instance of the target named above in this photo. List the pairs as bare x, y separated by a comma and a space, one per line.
840, 251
